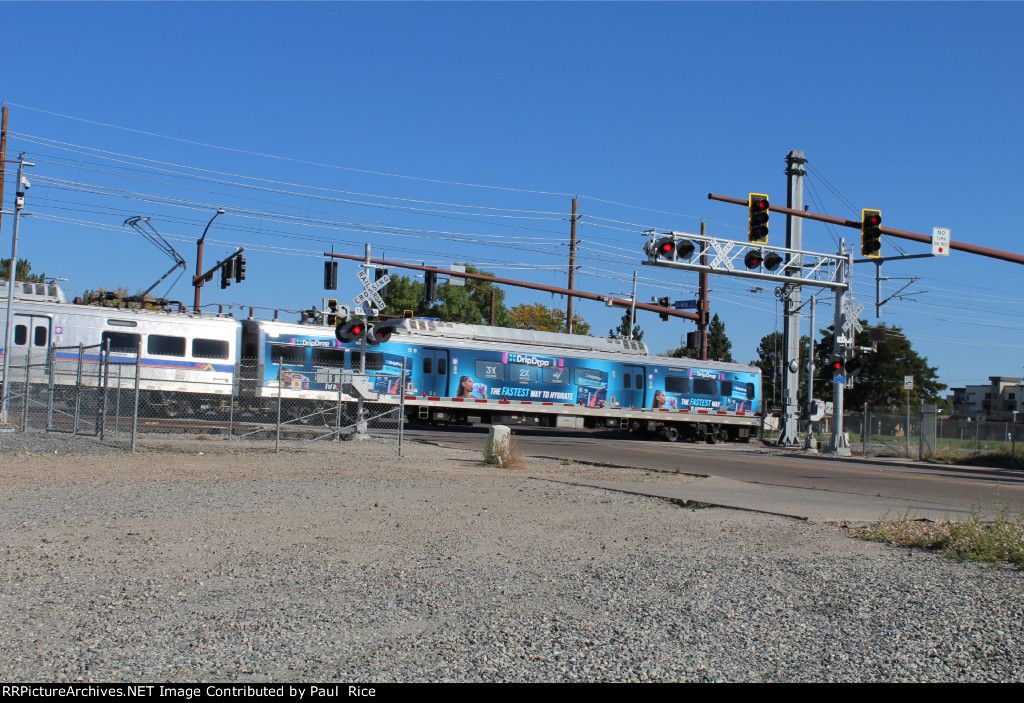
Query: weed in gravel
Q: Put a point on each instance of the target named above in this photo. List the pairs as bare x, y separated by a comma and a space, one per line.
504, 453
973, 539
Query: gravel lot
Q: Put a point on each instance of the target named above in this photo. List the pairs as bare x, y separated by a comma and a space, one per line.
205, 561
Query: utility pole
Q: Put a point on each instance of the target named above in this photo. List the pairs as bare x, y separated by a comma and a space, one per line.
572, 267
3, 160
19, 204
788, 437
702, 301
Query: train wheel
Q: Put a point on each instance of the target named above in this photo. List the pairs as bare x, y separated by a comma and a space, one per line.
671, 433
178, 406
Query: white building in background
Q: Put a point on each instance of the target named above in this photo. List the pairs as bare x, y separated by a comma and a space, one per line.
1001, 399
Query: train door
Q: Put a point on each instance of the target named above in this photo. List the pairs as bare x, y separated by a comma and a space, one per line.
31, 335
435, 371
633, 386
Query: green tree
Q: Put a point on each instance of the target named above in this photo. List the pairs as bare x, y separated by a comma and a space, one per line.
622, 331
22, 272
769, 359
880, 380
469, 304
719, 346
534, 316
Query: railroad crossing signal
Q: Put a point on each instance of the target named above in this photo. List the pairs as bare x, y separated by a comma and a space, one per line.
871, 233
351, 331
379, 333
370, 290
757, 220
835, 364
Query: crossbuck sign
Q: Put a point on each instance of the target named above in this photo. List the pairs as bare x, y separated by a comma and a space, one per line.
370, 290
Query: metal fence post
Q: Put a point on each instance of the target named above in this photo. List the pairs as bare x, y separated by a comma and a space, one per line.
78, 388
105, 373
280, 393
51, 363
401, 409
28, 385
135, 412
117, 404
337, 411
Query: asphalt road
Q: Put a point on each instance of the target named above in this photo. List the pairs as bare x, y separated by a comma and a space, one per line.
958, 488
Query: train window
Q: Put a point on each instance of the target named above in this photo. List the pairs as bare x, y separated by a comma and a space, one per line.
122, 323
442, 366
639, 380
163, 345
553, 375
727, 388
329, 357
705, 386
209, 349
677, 384
428, 364
492, 370
21, 335
522, 373
627, 381
750, 390
122, 342
287, 354
40, 337
374, 361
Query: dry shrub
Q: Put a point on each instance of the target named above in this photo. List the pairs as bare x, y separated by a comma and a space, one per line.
504, 453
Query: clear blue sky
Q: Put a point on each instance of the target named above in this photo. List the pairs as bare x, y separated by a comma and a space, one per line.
461, 131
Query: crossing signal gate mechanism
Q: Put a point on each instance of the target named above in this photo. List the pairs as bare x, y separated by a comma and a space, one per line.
871, 233
757, 220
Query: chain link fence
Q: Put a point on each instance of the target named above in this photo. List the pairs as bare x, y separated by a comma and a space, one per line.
117, 398
923, 433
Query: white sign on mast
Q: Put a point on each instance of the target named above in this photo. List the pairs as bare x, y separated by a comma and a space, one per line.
940, 241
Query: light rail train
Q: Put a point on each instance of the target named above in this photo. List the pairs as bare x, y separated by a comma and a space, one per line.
191, 365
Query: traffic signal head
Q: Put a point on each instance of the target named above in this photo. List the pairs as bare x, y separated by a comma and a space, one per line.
351, 331
871, 233
431, 286
330, 275
332, 311
226, 272
664, 302
380, 333
757, 220
239, 269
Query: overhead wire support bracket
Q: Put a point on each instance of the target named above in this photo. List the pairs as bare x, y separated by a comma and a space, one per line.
143, 226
